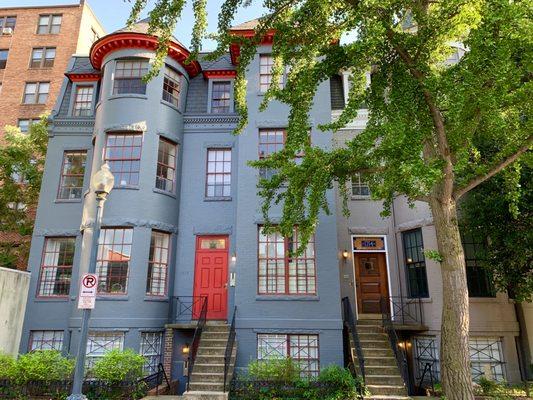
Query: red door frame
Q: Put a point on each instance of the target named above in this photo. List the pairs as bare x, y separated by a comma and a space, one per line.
213, 310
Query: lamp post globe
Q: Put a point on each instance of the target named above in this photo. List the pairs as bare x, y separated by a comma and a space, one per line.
103, 181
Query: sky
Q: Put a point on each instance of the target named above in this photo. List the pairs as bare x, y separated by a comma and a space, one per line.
114, 13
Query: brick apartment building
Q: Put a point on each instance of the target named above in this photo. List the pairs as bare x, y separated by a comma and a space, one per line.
36, 44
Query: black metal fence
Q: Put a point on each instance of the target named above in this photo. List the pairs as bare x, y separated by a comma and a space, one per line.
59, 390
406, 311
202, 317
244, 389
229, 348
185, 309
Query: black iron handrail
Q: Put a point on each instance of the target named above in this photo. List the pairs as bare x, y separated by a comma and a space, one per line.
427, 367
156, 379
351, 324
401, 359
406, 311
229, 347
186, 308
196, 339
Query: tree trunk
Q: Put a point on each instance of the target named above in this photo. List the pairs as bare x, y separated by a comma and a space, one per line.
454, 354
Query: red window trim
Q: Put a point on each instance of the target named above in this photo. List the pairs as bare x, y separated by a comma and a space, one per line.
61, 175
207, 173
111, 294
174, 167
125, 133
43, 252
287, 275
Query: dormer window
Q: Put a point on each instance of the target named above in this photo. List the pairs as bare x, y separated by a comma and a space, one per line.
83, 102
128, 76
221, 97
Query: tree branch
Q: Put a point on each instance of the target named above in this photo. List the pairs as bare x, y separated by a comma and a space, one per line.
458, 192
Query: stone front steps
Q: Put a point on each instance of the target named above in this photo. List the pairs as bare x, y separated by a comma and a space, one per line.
382, 375
207, 378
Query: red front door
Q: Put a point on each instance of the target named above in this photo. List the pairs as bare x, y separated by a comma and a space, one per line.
211, 274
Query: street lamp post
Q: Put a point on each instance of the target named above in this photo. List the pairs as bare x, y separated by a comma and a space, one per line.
101, 184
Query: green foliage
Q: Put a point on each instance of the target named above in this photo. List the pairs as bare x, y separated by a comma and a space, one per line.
282, 370
21, 165
7, 366
118, 366
347, 386
498, 390
500, 211
433, 255
43, 365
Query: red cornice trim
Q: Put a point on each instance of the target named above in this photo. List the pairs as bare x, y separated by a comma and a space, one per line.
125, 40
220, 73
87, 77
235, 48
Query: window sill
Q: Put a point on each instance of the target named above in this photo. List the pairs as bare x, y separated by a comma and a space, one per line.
275, 297
169, 194
75, 201
170, 105
484, 299
221, 198
360, 198
112, 297
162, 299
128, 96
126, 188
40, 68
51, 299
422, 299
33, 104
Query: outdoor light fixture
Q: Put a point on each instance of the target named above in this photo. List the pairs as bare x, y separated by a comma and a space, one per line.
409, 260
234, 257
185, 349
103, 181
345, 254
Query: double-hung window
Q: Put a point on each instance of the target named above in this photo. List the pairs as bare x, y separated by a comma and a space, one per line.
266, 64
56, 267
415, 263
50, 23
156, 283
166, 166
113, 260
280, 271
171, 86
7, 25
218, 179
123, 154
486, 359
477, 276
46, 340
302, 348
43, 57
36, 92
99, 343
72, 173
359, 186
270, 141
128, 76
220, 97
25, 123
3, 58
151, 350
83, 102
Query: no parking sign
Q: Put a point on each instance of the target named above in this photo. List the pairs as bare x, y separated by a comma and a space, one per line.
87, 297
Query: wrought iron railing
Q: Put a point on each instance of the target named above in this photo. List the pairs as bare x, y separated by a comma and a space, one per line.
154, 380
388, 327
350, 324
229, 348
196, 339
406, 311
186, 308
428, 368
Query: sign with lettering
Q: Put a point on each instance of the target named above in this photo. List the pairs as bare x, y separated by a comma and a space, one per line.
368, 243
87, 297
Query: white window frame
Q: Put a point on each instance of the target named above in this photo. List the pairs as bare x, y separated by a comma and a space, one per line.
111, 340
151, 350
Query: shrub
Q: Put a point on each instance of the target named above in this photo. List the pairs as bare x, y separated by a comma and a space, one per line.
118, 366
45, 365
7, 366
278, 370
347, 387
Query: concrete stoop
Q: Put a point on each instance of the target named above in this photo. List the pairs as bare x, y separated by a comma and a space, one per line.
207, 379
382, 375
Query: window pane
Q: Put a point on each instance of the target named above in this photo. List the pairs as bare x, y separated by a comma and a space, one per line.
152, 351
415, 263
99, 343
171, 86
218, 178
56, 266
156, 284
3, 58
83, 102
221, 97
113, 260
128, 76
166, 166
486, 359
123, 154
46, 340
72, 173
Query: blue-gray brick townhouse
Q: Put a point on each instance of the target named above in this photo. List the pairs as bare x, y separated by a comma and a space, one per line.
183, 220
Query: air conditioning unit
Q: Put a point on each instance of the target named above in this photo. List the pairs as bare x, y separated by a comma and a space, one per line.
7, 31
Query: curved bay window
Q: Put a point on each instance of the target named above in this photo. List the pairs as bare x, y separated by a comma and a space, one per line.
128, 76
123, 154
113, 260
156, 284
280, 271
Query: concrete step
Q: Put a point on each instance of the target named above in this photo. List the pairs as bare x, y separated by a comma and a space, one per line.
207, 350
375, 344
207, 386
208, 367
209, 359
369, 329
203, 395
211, 342
387, 390
377, 352
206, 377
216, 328
371, 322
385, 397
373, 336
377, 369
380, 362
393, 379
215, 335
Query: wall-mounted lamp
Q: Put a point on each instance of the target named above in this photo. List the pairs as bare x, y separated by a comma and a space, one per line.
234, 258
409, 260
185, 349
345, 254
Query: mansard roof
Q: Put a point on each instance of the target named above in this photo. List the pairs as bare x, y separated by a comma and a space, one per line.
222, 63
245, 26
142, 26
